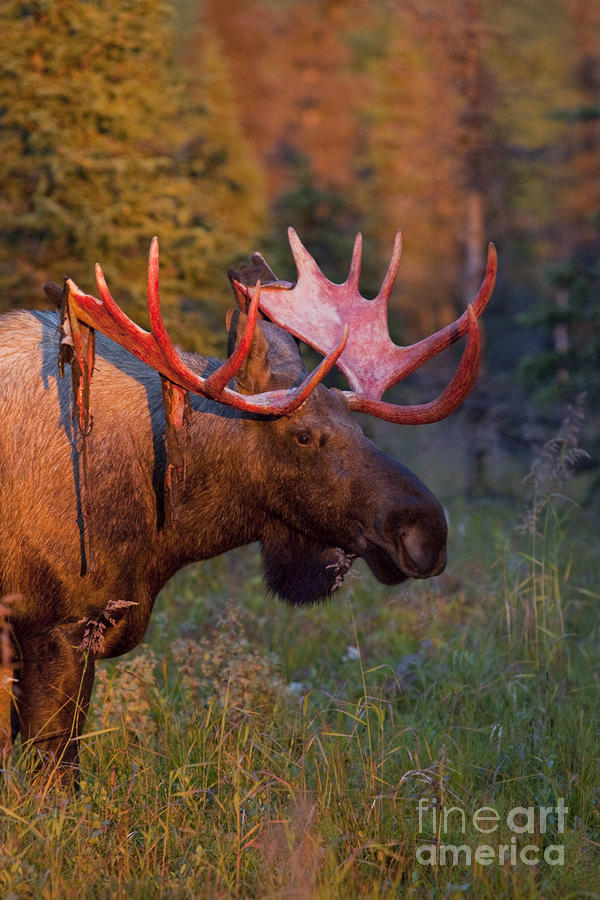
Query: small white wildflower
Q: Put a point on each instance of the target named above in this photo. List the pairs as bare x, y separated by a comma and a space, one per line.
295, 687
351, 653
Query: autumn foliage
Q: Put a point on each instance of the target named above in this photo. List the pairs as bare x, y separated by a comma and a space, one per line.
217, 126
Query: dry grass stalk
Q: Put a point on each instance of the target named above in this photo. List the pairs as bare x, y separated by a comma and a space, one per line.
7, 666
555, 465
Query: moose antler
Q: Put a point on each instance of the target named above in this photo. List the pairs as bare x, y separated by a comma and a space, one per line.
316, 311
157, 350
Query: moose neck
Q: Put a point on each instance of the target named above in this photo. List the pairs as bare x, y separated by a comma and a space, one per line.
215, 512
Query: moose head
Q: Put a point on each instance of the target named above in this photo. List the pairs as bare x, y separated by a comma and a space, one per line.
406, 531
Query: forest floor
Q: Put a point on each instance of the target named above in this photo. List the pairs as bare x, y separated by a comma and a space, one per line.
436, 740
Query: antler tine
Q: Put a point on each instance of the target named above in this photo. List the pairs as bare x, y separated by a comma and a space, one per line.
448, 401
157, 350
390, 276
215, 383
489, 280
417, 354
107, 317
112, 309
305, 263
156, 321
354, 273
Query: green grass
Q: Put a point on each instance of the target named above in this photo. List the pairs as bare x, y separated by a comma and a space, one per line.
252, 750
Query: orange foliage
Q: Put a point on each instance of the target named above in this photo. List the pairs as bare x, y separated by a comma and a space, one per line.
296, 89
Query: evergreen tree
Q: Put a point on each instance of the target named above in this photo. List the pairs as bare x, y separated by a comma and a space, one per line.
411, 182
569, 314
563, 370
102, 145
568, 363
297, 86
433, 149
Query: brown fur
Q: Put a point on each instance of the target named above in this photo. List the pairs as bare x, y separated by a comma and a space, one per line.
313, 506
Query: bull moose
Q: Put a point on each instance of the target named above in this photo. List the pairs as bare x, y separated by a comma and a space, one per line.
110, 485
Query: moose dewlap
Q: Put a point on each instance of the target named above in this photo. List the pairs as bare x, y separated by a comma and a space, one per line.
148, 458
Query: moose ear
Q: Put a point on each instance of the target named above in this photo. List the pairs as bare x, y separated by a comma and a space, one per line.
53, 292
248, 273
254, 375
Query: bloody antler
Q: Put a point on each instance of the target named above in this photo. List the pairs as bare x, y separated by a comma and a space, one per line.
157, 350
316, 311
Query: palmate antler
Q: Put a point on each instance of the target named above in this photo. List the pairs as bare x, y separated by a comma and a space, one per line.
157, 350
317, 311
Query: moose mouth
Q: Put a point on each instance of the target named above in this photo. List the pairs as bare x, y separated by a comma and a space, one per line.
383, 566
301, 570
393, 563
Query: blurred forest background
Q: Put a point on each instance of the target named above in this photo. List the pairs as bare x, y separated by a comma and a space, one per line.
217, 124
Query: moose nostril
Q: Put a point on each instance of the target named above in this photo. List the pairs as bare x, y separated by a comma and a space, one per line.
425, 553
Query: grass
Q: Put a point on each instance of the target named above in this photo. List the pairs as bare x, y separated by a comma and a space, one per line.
252, 750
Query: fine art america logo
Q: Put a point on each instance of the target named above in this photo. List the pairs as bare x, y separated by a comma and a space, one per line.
521, 820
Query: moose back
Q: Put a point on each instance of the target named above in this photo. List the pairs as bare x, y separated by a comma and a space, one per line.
111, 483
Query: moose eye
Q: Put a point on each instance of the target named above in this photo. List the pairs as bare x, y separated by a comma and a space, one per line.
303, 438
